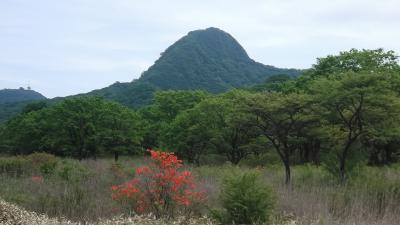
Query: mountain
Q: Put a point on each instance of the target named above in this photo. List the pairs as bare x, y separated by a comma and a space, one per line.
19, 95
12, 101
209, 59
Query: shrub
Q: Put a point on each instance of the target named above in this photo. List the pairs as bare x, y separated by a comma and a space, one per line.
160, 188
245, 200
43, 162
71, 171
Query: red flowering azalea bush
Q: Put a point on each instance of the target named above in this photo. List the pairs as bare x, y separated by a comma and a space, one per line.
161, 188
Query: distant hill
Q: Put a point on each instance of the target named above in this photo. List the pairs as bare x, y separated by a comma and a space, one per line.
19, 95
209, 59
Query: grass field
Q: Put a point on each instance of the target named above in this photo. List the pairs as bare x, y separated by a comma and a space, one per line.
80, 191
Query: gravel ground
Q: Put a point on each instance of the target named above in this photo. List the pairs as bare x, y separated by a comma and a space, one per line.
11, 214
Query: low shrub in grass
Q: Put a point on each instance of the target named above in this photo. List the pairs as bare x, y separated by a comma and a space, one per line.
71, 171
245, 199
43, 162
33, 164
161, 188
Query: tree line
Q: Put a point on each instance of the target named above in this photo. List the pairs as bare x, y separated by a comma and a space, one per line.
343, 112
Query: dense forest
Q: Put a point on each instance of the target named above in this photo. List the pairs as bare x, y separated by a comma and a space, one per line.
341, 113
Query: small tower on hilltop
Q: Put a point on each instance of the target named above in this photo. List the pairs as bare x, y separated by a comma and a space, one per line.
29, 86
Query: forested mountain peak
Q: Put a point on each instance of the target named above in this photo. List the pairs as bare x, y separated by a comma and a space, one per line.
211, 42
19, 95
208, 59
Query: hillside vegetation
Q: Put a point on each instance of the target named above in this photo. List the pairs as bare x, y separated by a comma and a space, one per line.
19, 95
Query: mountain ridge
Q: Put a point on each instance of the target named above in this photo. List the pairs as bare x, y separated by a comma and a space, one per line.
19, 95
209, 59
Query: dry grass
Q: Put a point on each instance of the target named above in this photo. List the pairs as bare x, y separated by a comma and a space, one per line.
312, 199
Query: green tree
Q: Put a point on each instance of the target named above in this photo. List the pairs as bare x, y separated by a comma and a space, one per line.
283, 119
166, 106
355, 105
119, 128
78, 127
356, 61
232, 127
189, 135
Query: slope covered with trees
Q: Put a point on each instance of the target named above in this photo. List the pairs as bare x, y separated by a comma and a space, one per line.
19, 95
210, 60
12, 101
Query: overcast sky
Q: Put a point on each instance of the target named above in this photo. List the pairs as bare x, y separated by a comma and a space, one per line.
64, 47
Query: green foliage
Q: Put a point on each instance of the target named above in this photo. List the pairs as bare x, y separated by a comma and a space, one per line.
279, 83
245, 199
134, 94
354, 106
284, 119
215, 124
167, 105
71, 171
78, 127
356, 61
35, 106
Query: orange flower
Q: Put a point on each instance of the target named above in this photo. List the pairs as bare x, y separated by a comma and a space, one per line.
159, 183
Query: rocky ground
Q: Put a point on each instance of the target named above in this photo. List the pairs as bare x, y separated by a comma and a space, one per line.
11, 214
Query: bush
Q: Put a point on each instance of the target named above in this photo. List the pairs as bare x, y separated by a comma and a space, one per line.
71, 171
245, 200
160, 188
43, 162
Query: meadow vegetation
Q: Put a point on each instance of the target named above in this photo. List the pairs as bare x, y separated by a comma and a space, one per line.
82, 191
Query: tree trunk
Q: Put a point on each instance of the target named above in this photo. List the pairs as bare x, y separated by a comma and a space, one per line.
116, 156
342, 169
287, 172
